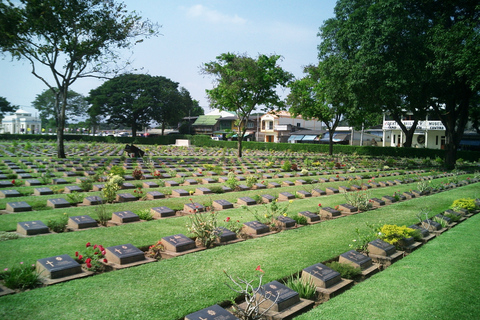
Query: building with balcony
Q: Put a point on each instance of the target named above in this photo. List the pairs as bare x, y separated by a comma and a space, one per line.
278, 126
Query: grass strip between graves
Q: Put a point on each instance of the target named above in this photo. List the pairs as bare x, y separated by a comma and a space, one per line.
173, 288
440, 280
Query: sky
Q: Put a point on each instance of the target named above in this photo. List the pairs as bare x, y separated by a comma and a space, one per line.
194, 33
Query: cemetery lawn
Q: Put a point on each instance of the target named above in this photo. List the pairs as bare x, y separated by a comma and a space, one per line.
173, 288
440, 280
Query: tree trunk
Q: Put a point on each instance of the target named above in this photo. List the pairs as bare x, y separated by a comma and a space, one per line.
408, 132
239, 145
61, 125
330, 142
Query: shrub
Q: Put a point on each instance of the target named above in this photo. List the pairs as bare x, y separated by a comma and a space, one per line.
21, 277
299, 219
359, 199
117, 171
346, 271
464, 203
155, 251
93, 257
110, 188
305, 289
102, 214
58, 225
74, 197
203, 226
137, 174
86, 184
145, 214
392, 233
287, 165
233, 225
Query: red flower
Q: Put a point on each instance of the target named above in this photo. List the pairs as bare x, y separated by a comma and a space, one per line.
96, 252
228, 219
104, 252
319, 204
80, 257
76, 253
88, 260
105, 260
89, 265
238, 220
88, 244
13, 181
95, 246
259, 269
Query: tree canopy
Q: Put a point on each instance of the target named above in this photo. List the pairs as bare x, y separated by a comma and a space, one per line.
407, 56
73, 39
136, 100
6, 107
243, 83
45, 104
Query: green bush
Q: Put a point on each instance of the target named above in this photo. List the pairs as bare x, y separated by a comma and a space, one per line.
464, 203
306, 290
346, 271
21, 277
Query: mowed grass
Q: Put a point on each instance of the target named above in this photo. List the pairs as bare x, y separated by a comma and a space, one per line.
173, 288
438, 281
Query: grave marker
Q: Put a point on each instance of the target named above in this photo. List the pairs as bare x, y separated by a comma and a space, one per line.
9, 194
92, 200
347, 208
179, 193
222, 204
58, 267
356, 259
267, 198
284, 196
318, 192
255, 227
285, 222
178, 243
124, 254
124, 217
202, 191
381, 248
277, 294
30, 228
162, 212
152, 195
32, 182
303, 194
225, 235
321, 276
214, 312
58, 203
19, 206
150, 184
246, 201
125, 197
82, 222
311, 217
331, 190
329, 212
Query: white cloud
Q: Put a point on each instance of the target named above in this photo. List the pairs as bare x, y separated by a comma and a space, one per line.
199, 11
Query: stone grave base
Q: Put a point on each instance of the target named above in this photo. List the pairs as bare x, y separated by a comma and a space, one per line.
439, 232
387, 260
426, 239
116, 266
167, 254
413, 247
328, 293
4, 291
48, 281
303, 306
370, 271
451, 225
254, 236
222, 243
111, 223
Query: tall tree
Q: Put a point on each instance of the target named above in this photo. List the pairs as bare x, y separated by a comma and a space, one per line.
136, 100
308, 97
243, 83
6, 107
45, 103
73, 39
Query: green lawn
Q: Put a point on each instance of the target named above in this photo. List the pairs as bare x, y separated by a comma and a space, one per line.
173, 288
438, 281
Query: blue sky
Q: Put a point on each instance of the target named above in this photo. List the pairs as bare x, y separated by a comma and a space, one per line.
195, 32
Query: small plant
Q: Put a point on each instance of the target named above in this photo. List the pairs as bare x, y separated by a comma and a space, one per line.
8, 235
46, 177
346, 270
233, 225
155, 251
117, 171
138, 192
58, 225
359, 199
137, 173
22, 276
441, 221
86, 184
251, 292
102, 214
17, 183
110, 188
360, 243
287, 166
305, 289
299, 219
251, 180
93, 257
74, 197
232, 182
203, 226
145, 214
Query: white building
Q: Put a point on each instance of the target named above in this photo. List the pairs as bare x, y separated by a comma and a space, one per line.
277, 126
21, 122
428, 134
